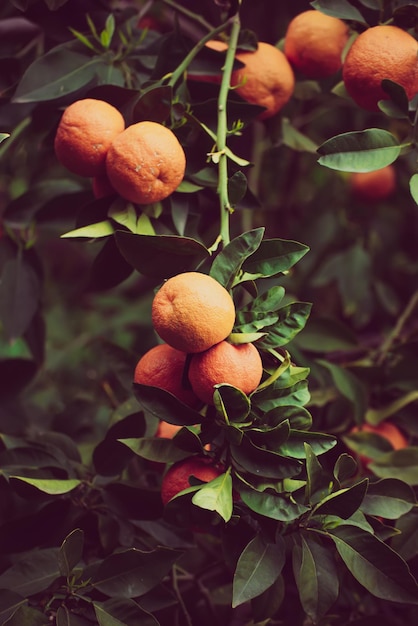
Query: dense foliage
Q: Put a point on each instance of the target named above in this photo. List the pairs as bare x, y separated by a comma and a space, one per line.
299, 529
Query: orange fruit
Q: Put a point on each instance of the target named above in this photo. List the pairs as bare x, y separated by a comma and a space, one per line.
373, 186
84, 134
192, 312
167, 430
163, 367
101, 186
237, 365
177, 476
314, 43
145, 163
380, 52
388, 431
266, 80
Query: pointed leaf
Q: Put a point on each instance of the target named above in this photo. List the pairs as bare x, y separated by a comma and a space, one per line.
360, 151
53, 487
343, 502
273, 505
273, 257
165, 406
117, 612
30, 576
19, 296
375, 565
258, 567
228, 262
389, 498
71, 551
216, 496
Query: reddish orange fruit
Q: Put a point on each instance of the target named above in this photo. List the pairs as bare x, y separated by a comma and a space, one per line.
84, 134
373, 186
163, 367
388, 431
314, 43
237, 365
192, 312
145, 163
177, 477
378, 53
167, 430
266, 80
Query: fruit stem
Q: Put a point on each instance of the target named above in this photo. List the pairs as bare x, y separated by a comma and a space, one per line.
179, 71
222, 130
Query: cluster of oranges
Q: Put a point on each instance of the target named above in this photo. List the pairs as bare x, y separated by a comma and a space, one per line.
194, 314
314, 45
143, 163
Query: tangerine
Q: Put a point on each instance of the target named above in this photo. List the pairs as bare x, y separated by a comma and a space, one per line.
314, 43
237, 365
164, 367
378, 53
84, 134
192, 312
145, 163
267, 79
373, 186
176, 479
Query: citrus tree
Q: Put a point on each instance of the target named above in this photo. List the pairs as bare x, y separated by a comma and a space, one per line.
208, 313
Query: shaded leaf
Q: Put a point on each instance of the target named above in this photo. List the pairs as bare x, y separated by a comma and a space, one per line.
48, 485
165, 406
228, 262
71, 551
344, 502
273, 257
19, 296
117, 612
30, 576
389, 498
273, 505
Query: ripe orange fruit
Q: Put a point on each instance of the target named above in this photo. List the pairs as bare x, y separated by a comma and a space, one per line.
163, 367
386, 429
177, 476
167, 430
84, 134
380, 52
145, 163
373, 186
237, 365
266, 80
192, 312
314, 43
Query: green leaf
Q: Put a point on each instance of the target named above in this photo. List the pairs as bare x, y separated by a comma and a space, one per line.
4, 136
29, 576
258, 567
216, 496
389, 498
237, 188
231, 402
319, 481
294, 445
376, 416
155, 449
349, 386
272, 397
53, 487
375, 565
413, 187
160, 256
60, 72
227, 264
71, 551
296, 140
326, 335
124, 213
118, 612
107, 34
398, 106
406, 542
273, 256
316, 576
132, 572
19, 296
154, 105
344, 502
291, 320
165, 406
9, 604
92, 231
28, 616
262, 462
272, 505
360, 151
401, 464
342, 9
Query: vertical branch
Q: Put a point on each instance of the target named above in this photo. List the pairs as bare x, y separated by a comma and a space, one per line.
222, 131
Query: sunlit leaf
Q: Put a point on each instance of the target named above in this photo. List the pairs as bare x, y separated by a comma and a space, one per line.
228, 262
216, 496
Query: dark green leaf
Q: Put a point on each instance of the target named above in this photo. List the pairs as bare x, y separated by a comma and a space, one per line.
132, 573
406, 542
165, 406
160, 256
259, 565
19, 296
342, 9
273, 505
292, 319
344, 502
294, 445
360, 151
273, 257
156, 449
375, 565
27, 616
71, 551
401, 464
110, 456
231, 402
117, 612
237, 188
326, 335
262, 462
227, 264
29, 576
319, 482
349, 386
9, 604
154, 105
272, 397
316, 576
